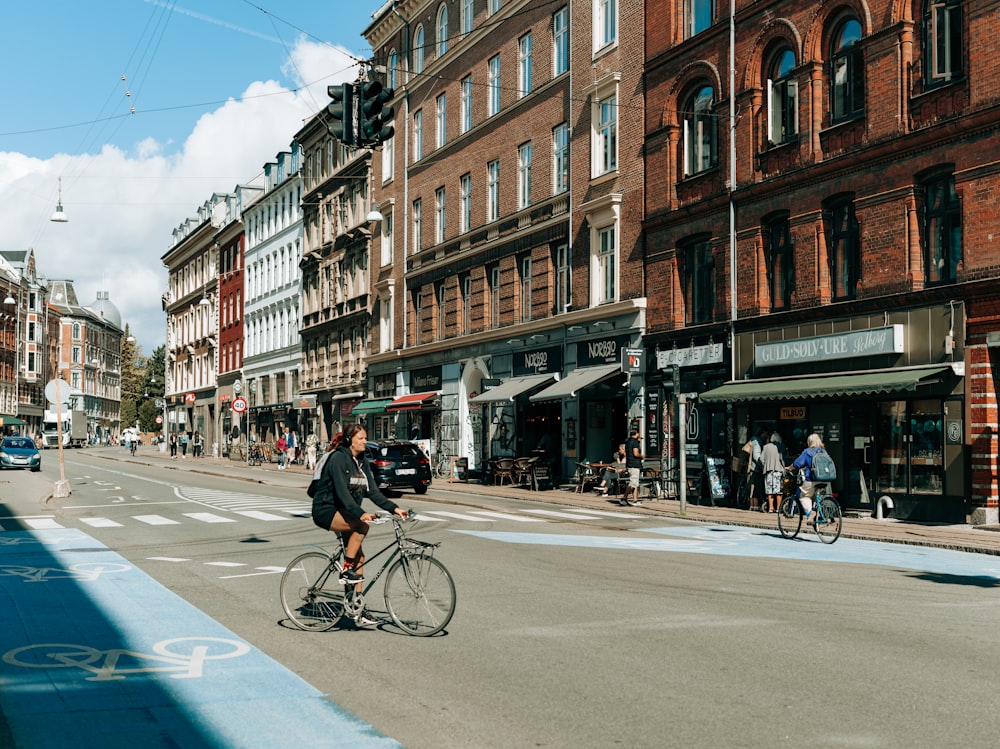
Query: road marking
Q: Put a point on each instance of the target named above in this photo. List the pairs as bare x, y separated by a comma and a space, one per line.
43, 524
155, 520
505, 516
208, 517
264, 571
258, 515
225, 564
101, 522
445, 513
428, 518
168, 559
570, 515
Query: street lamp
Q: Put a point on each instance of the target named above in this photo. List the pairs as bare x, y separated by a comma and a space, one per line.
8, 301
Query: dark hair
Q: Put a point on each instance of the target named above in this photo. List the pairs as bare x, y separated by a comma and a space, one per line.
345, 437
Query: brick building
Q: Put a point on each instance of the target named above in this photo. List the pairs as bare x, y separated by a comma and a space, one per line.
833, 266
510, 274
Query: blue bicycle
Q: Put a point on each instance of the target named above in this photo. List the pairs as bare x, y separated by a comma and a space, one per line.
825, 518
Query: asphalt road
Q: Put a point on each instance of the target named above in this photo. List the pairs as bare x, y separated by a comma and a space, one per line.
574, 628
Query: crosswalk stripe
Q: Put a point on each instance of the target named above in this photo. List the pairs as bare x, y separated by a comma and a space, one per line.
225, 564
42, 524
568, 515
208, 517
155, 520
426, 518
258, 515
505, 516
459, 516
101, 522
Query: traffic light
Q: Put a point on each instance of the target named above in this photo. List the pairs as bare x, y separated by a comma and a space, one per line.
341, 111
375, 116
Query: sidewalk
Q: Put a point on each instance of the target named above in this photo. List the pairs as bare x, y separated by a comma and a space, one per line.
960, 537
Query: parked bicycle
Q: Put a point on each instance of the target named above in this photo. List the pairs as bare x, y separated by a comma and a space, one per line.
442, 466
255, 454
419, 592
826, 517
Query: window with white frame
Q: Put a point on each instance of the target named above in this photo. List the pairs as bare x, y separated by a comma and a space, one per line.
494, 281
442, 310
466, 286
606, 135
847, 72
524, 175
418, 315
467, 104
493, 83
468, 16
698, 16
782, 98
418, 50
439, 215
465, 204
386, 254
560, 41
525, 74
418, 135
526, 288
388, 159
607, 272
604, 217
605, 23
942, 52
417, 224
560, 158
393, 68
700, 131
564, 278
494, 6
441, 111
493, 191
442, 30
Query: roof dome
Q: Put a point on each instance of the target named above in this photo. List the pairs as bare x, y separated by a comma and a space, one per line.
104, 307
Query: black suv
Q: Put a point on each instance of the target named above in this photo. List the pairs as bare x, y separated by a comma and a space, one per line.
399, 465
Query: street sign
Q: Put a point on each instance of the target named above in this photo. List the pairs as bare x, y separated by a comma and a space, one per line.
239, 405
159, 419
64, 391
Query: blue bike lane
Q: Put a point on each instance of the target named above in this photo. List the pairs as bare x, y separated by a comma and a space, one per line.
94, 653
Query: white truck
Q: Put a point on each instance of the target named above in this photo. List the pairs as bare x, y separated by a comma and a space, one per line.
74, 428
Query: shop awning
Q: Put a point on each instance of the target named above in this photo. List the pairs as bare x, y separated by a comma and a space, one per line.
830, 386
13, 421
510, 388
412, 402
375, 406
576, 381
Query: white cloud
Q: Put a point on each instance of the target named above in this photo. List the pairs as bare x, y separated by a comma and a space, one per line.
123, 207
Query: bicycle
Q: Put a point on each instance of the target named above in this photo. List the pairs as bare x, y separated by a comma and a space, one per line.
419, 592
744, 491
826, 519
442, 468
255, 455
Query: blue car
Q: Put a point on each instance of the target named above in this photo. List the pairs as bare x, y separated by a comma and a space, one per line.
20, 452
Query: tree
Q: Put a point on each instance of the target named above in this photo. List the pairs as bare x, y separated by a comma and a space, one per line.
153, 385
132, 372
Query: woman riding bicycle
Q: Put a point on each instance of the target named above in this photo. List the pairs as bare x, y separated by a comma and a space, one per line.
804, 463
345, 480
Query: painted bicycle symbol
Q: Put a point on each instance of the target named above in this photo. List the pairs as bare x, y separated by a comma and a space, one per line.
83, 571
181, 658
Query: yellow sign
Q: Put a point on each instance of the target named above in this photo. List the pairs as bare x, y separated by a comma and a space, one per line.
790, 413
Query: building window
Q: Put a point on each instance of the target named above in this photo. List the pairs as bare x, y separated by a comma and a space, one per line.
466, 286
782, 99
393, 68
442, 309
441, 109
494, 6
494, 281
700, 132
698, 16
418, 315
560, 158
442, 30
388, 159
525, 289
843, 246
418, 50
780, 267
417, 224
465, 204
564, 278
606, 136
698, 274
524, 175
847, 72
418, 135
493, 191
942, 41
524, 65
606, 23
439, 215
386, 255
493, 82
942, 230
467, 104
560, 41
468, 16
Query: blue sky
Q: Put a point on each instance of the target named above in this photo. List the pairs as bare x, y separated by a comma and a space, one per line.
218, 89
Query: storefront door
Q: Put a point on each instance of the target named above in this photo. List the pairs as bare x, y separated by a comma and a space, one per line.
911, 447
859, 484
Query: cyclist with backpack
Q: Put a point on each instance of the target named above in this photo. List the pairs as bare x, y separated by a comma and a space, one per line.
816, 466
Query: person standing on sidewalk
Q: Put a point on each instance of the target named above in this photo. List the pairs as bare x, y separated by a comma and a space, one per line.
633, 462
311, 443
290, 445
773, 468
173, 445
280, 447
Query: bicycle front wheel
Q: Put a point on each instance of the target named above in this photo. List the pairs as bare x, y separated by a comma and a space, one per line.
789, 517
829, 520
311, 594
419, 595
743, 493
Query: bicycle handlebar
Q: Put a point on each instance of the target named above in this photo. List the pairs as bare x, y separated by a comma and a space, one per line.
385, 517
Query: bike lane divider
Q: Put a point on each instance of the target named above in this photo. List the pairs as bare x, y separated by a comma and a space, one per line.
95, 653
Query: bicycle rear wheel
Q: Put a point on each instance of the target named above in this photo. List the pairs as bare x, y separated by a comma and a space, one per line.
743, 491
311, 594
420, 595
789, 517
829, 520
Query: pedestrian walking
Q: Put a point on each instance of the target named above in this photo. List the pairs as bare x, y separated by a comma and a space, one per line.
633, 462
173, 445
290, 446
279, 447
311, 444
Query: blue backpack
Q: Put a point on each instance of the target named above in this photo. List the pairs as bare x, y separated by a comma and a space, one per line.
823, 467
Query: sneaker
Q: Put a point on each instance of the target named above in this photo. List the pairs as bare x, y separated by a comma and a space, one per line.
364, 620
350, 576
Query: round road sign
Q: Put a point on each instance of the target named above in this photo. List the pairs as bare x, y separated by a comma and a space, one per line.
239, 405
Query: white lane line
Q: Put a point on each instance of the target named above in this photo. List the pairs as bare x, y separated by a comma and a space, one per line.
608, 513
505, 516
155, 520
208, 517
459, 516
265, 571
167, 559
225, 564
568, 515
258, 515
101, 522
428, 518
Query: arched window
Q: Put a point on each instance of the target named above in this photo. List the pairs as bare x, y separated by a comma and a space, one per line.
847, 72
442, 30
393, 66
418, 49
782, 98
700, 131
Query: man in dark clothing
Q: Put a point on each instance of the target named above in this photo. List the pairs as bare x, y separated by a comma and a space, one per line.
633, 462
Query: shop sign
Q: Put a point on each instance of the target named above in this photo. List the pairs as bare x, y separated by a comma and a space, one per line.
385, 386
600, 351
190, 397
425, 379
538, 361
306, 401
653, 428
691, 356
633, 360
792, 413
888, 340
